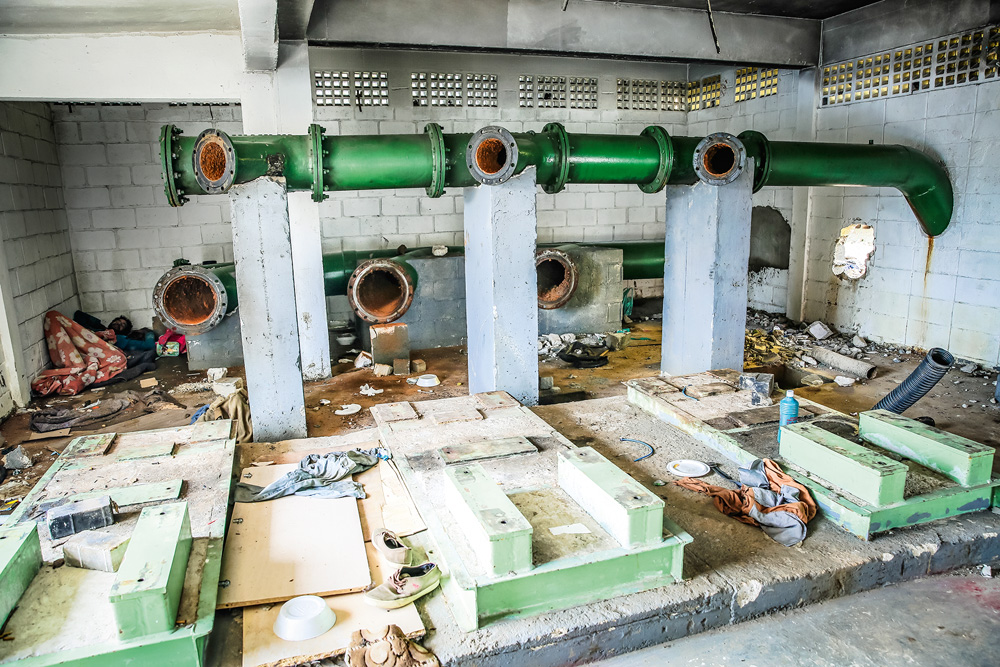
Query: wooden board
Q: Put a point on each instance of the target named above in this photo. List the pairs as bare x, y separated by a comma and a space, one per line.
262, 647
486, 449
296, 545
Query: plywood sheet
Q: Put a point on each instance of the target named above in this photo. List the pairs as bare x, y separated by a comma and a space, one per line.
296, 545
262, 647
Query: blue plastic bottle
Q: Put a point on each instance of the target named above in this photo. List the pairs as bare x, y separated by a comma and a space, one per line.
788, 411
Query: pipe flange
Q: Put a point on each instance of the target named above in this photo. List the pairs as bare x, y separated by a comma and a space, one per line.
666, 147
169, 134
317, 154
214, 161
557, 278
562, 158
491, 155
190, 299
759, 148
439, 165
719, 159
380, 291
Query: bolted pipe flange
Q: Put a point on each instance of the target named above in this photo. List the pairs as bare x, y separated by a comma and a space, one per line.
380, 291
719, 159
759, 148
168, 135
190, 299
316, 132
491, 155
439, 165
557, 278
562, 158
666, 147
214, 161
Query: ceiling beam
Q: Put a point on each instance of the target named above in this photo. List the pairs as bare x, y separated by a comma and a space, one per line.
259, 32
293, 19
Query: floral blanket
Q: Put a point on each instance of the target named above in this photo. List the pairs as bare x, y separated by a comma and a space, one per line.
80, 357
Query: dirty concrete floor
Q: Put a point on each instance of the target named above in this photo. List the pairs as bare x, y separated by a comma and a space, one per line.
935, 622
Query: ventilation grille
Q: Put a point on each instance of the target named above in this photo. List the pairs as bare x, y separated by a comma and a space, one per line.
705, 94
332, 88
582, 92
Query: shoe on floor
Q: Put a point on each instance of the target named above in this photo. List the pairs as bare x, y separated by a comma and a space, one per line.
391, 548
404, 586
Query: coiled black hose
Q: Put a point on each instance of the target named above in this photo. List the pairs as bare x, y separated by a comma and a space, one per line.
919, 382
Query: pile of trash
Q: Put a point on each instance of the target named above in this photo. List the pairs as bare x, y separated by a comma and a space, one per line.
550, 345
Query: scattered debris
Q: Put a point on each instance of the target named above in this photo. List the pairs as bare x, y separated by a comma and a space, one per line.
382, 370
227, 386
324, 401
844, 381
363, 360
17, 459
439, 250
659, 482
348, 409
970, 368
809, 360
819, 330
761, 386
813, 380
859, 342
986, 571
418, 366
546, 382
401, 366
367, 390
192, 387
616, 341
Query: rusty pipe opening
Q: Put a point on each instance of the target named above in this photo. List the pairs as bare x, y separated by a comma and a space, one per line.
190, 299
719, 160
213, 161
557, 277
491, 155
380, 291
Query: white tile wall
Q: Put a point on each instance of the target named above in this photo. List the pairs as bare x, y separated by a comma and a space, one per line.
943, 292
124, 234
34, 228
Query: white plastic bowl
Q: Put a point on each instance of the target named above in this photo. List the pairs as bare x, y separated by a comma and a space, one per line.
304, 617
428, 381
346, 339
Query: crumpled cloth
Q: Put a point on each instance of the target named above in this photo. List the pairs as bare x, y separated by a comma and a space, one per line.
319, 476
767, 498
234, 407
79, 356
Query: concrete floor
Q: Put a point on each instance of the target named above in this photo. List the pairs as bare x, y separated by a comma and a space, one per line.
942, 621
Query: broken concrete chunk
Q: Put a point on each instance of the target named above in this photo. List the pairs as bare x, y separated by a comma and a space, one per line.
439, 250
94, 550
382, 370
418, 366
368, 390
615, 341
809, 360
970, 368
400, 366
813, 380
858, 341
363, 361
545, 382
844, 381
568, 338
349, 409
82, 515
227, 386
390, 342
17, 459
216, 374
761, 386
819, 330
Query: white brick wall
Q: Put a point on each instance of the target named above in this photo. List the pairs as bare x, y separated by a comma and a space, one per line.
124, 234
945, 292
34, 228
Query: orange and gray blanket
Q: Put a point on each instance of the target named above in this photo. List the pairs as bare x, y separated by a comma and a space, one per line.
80, 358
767, 498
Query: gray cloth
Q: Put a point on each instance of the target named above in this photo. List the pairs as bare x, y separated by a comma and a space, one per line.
783, 527
319, 476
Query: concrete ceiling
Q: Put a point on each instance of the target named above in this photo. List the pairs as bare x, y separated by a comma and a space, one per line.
803, 9
117, 16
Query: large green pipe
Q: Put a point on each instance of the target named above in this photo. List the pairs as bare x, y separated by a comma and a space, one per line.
214, 161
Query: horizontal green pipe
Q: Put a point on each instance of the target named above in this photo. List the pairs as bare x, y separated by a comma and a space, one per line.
651, 160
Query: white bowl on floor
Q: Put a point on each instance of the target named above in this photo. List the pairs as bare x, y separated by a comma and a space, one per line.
304, 617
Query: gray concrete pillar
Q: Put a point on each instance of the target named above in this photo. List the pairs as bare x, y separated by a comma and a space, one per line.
707, 250
501, 292
262, 249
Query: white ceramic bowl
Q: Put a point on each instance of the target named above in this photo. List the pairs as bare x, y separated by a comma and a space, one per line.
428, 381
346, 339
304, 617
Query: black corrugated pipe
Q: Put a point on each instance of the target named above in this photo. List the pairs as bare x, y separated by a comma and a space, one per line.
919, 382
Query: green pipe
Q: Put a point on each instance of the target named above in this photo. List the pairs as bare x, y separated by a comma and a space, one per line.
214, 161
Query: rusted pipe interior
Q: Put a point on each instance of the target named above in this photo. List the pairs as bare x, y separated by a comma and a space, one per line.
212, 160
719, 159
189, 300
381, 293
491, 155
554, 281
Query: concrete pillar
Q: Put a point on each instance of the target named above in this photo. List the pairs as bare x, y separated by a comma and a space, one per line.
707, 250
262, 249
293, 93
501, 292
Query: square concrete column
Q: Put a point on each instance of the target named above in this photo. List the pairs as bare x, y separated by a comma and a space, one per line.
706, 252
262, 249
501, 293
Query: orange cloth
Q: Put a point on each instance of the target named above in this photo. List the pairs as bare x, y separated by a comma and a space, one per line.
737, 503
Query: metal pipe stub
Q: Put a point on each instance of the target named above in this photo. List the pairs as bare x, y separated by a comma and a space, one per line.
190, 299
214, 161
380, 290
491, 155
719, 159
557, 278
